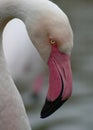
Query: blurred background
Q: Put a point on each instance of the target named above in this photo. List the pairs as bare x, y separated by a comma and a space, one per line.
77, 112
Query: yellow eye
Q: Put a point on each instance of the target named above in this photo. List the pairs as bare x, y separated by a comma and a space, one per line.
52, 41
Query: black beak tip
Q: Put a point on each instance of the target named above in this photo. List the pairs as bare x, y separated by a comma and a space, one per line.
50, 107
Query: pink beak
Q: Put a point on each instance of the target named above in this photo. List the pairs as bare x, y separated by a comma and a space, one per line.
60, 81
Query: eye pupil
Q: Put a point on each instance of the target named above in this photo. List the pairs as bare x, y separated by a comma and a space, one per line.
52, 41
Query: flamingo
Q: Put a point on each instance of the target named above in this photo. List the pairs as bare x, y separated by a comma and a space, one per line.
29, 70
50, 31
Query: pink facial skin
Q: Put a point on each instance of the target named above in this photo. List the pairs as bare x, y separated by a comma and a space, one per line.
60, 81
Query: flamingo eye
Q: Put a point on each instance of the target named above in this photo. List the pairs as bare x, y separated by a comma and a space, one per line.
52, 41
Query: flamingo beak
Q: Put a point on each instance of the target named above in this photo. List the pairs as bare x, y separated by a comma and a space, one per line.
60, 81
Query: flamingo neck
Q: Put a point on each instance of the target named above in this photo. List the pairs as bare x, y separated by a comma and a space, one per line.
8, 11
12, 111
33, 16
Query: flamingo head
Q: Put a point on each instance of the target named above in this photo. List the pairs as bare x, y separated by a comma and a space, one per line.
54, 41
